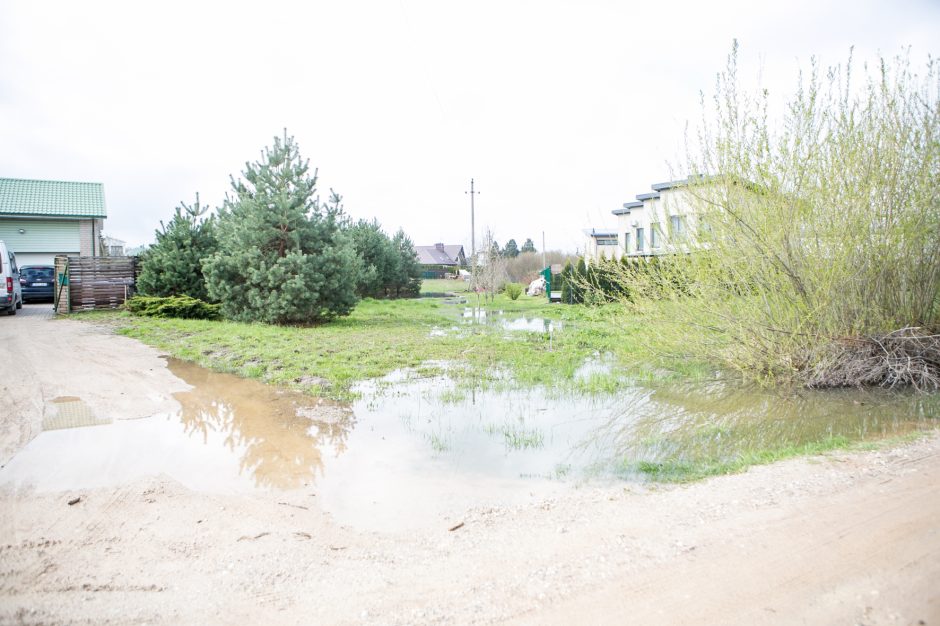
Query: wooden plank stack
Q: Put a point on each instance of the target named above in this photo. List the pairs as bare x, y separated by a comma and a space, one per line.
100, 282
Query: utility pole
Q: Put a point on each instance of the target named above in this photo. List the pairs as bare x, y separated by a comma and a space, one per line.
473, 228
543, 250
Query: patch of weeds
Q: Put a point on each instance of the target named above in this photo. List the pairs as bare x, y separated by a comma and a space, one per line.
690, 470
453, 395
520, 438
439, 443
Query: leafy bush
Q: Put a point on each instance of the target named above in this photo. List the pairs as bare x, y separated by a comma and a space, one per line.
513, 290
184, 307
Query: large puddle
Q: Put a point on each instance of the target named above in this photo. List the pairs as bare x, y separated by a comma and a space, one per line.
414, 448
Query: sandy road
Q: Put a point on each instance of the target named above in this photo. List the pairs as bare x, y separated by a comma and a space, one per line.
842, 539
42, 358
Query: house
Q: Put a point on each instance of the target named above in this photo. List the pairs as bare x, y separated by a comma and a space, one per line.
602, 243
113, 246
40, 219
656, 222
440, 261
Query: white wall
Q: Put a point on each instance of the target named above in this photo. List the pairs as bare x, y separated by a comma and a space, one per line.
593, 252
657, 211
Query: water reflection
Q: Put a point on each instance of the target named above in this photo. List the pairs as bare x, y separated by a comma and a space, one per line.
230, 434
716, 422
280, 437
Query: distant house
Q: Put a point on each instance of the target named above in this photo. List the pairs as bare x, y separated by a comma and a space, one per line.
440, 261
42, 218
113, 246
657, 222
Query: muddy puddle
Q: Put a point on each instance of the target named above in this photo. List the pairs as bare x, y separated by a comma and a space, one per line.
413, 449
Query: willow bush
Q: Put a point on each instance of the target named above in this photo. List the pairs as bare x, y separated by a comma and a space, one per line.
814, 253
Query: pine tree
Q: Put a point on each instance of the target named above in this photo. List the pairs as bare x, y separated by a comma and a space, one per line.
380, 259
407, 283
580, 280
528, 246
173, 265
283, 257
511, 250
567, 293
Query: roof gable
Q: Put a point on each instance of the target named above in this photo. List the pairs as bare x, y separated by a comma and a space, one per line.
19, 196
440, 255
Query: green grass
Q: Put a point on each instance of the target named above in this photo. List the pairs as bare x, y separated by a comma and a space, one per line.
382, 336
444, 285
686, 471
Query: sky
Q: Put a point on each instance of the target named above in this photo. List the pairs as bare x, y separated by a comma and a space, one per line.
560, 111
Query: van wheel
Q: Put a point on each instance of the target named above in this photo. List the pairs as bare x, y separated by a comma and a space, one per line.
19, 304
11, 310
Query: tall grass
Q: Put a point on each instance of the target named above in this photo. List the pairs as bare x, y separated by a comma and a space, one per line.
815, 251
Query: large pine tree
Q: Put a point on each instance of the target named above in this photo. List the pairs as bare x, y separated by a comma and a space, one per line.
283, 257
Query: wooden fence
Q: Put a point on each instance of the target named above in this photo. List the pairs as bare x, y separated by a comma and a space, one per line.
85, 282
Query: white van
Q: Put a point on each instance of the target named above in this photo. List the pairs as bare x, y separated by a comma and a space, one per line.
11, 295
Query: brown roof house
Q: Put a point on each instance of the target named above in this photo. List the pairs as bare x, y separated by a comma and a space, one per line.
440, 261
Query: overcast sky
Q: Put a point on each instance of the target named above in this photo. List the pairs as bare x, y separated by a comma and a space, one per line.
561, 110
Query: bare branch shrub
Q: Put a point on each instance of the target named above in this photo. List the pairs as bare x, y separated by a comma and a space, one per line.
489, 274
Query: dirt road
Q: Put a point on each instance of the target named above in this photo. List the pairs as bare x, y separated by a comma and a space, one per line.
841, 539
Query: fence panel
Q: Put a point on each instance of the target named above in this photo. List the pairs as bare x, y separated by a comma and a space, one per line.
100, 282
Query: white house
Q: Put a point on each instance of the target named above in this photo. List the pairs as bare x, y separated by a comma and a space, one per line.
658, 222
602, 243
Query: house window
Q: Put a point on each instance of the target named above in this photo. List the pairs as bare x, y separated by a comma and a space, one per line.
654, 235
607, 241
676, 227
626, 242
640, 242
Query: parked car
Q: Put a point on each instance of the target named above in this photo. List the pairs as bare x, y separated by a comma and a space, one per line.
11, 296
37, 282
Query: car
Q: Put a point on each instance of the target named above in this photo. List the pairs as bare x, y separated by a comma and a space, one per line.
11, 295
37, 282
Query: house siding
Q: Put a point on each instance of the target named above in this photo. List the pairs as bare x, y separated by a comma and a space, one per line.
41, 236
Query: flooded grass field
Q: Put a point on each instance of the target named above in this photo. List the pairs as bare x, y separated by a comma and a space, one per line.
417, 407
414, 444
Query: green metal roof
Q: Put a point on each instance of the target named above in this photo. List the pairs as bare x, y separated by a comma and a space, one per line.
60, 198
